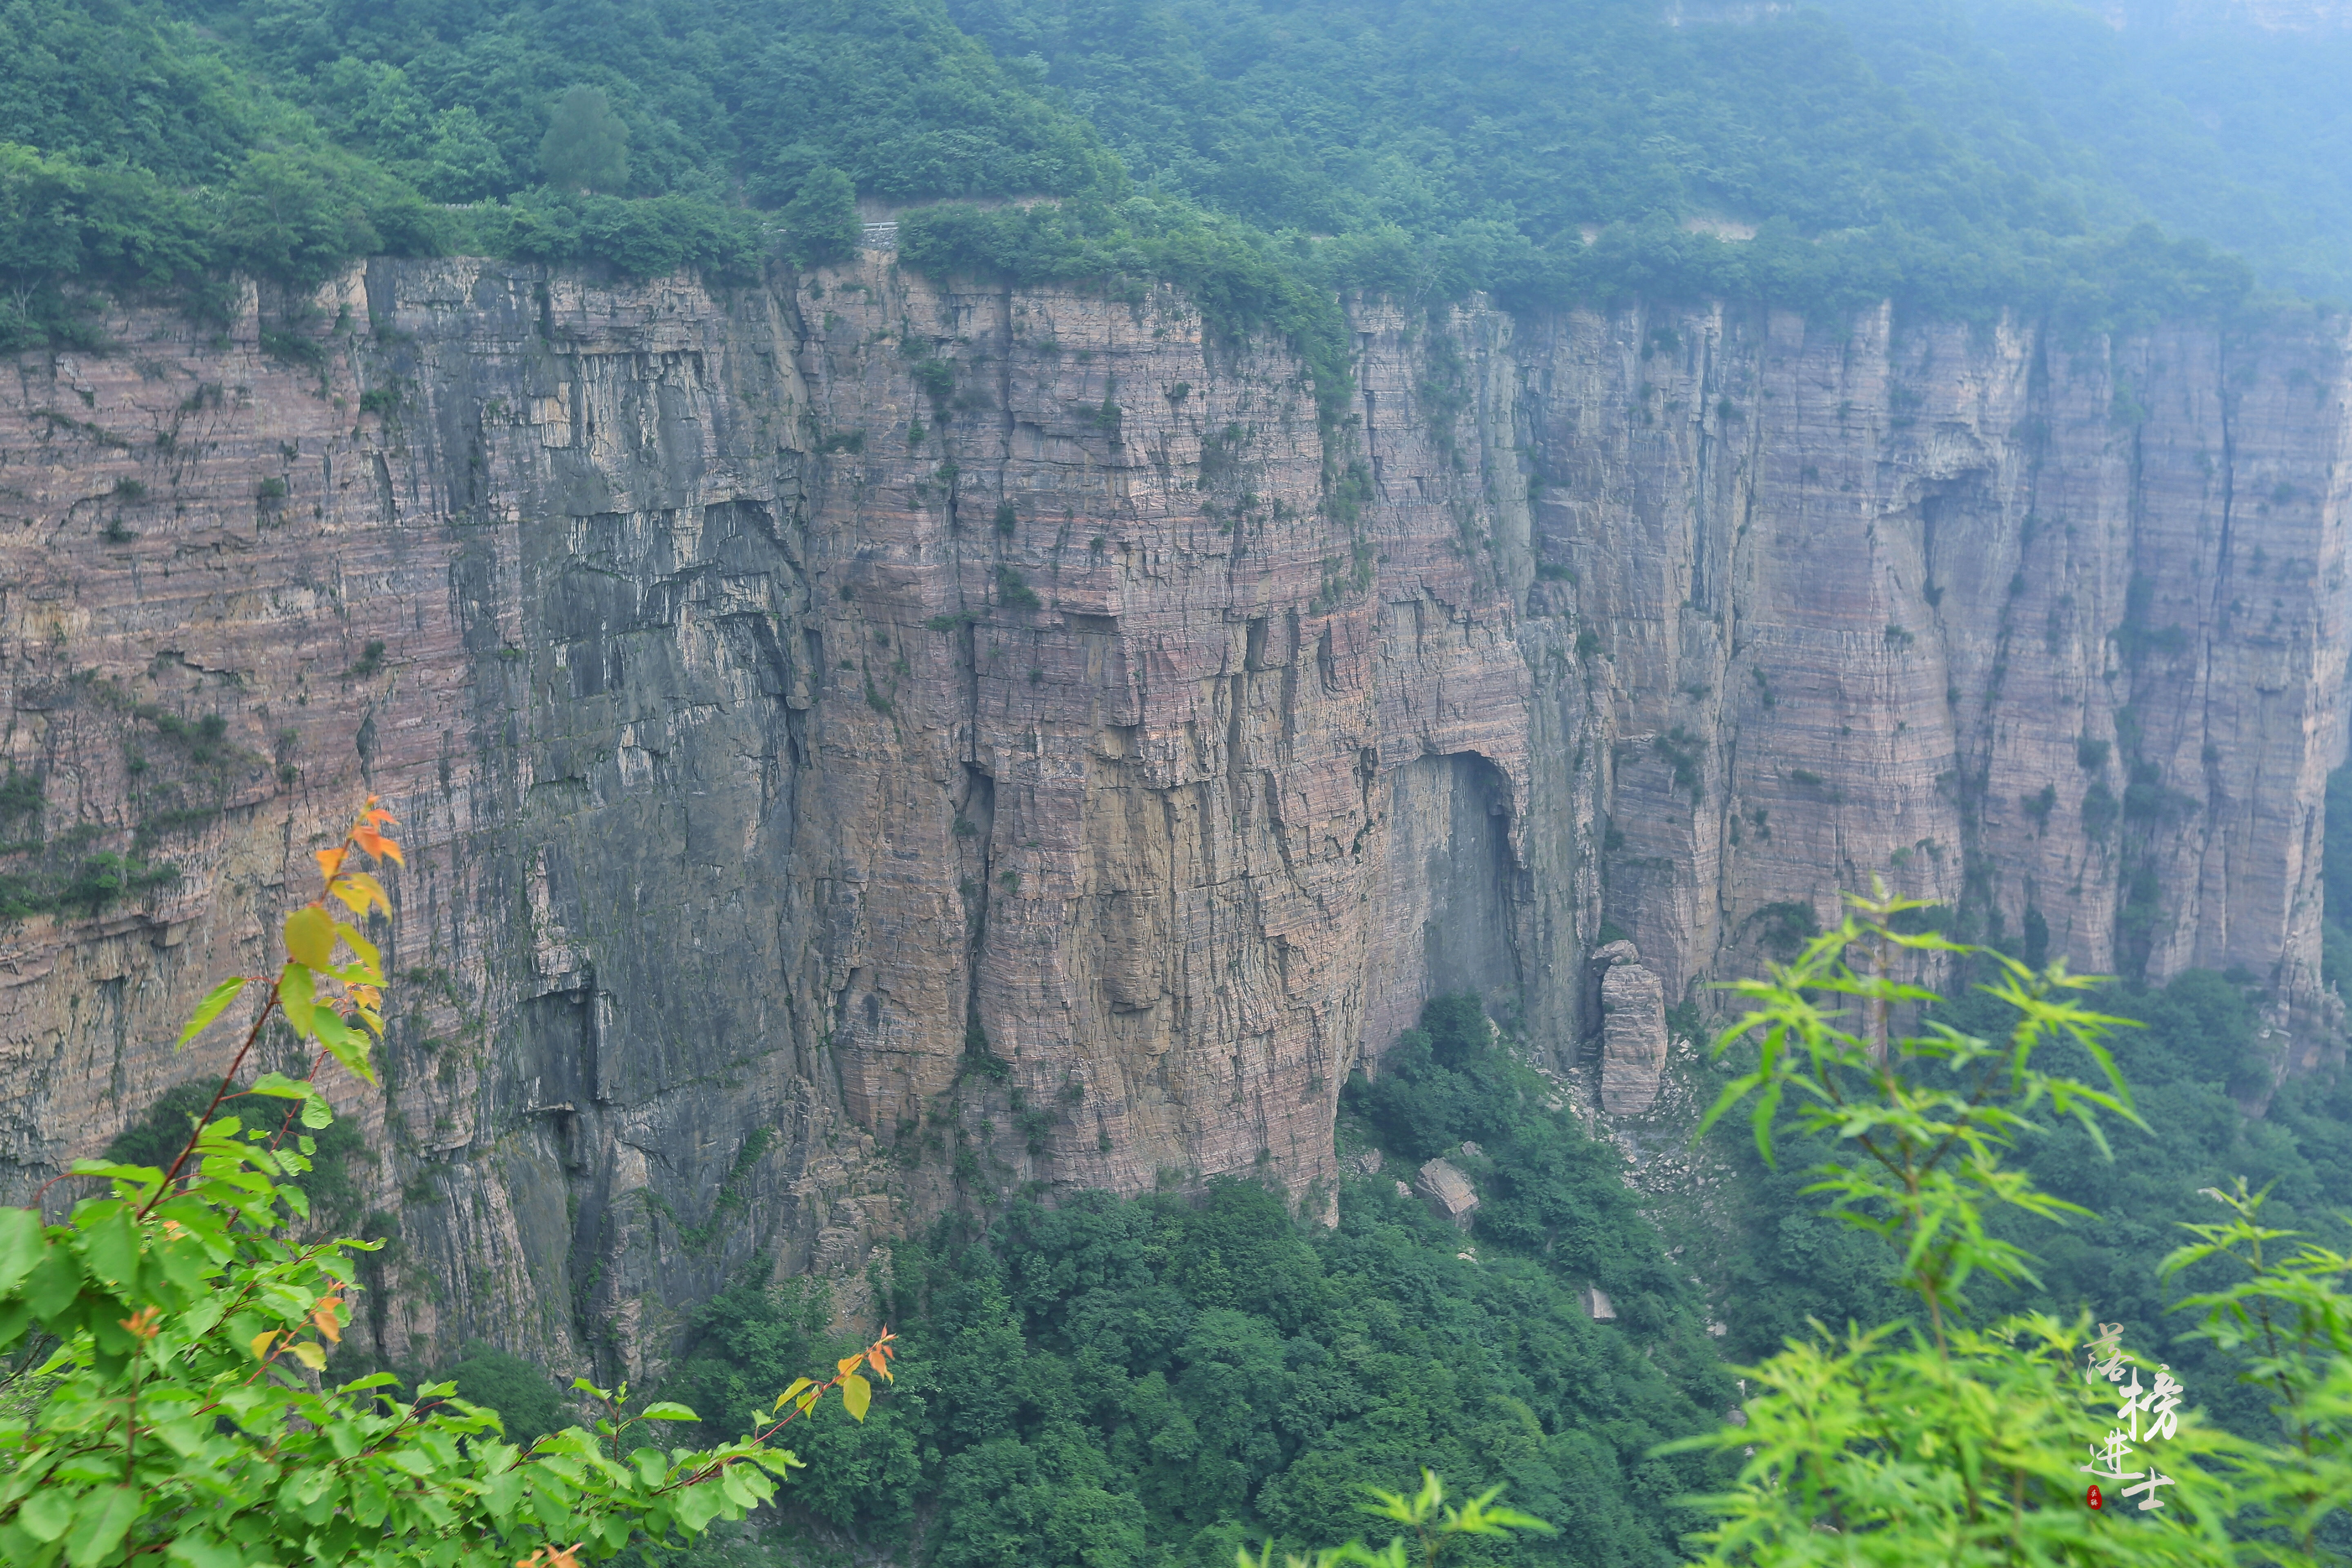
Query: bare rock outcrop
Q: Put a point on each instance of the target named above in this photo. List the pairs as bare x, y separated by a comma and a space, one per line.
1448, 1194
1633, 1030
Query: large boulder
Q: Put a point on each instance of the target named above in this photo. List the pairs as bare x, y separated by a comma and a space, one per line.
1632, 1031
1448, 1194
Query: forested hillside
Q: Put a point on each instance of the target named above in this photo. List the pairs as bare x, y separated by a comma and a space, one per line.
2236, 135
1548, 149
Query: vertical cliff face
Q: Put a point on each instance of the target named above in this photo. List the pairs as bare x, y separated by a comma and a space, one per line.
2049, 633
864, 742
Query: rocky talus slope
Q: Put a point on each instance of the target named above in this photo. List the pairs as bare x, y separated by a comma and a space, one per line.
861, 740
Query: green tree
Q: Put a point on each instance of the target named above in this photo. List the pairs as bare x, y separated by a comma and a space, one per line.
1958, 1438
461, 162
586, 147
1432, 1530
529, 1405
822, 216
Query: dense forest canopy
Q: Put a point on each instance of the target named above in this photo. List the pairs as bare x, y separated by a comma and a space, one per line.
1493, 141
2240, 136
1962, 155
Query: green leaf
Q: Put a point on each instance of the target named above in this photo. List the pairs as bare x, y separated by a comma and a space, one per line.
740, 1483
137, 1174
46, 1514
21, 1242
698, 1506
216, 1001
55, 1282
856, 1394
111, 1247
364, 948
278, 1086
317, 1113
200, 1551
310, 936
346, 1044
295, 996
667, 1410
503, 1493
1767, 1105
101, 1522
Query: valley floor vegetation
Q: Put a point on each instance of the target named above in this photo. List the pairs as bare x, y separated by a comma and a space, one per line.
1124, 1383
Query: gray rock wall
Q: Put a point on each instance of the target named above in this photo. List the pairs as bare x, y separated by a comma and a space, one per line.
864, 742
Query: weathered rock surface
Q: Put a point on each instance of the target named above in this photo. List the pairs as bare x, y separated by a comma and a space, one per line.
863, 742
2053, 638
1448, 1194
1632, 1031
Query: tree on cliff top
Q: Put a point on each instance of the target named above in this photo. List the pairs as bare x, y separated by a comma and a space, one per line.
586, 147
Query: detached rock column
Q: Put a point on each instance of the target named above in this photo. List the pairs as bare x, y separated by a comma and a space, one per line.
1633, 1030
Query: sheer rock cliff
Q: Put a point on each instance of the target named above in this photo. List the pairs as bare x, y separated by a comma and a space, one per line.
863, 742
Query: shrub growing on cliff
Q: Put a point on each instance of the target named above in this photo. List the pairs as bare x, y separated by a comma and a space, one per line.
171, 1334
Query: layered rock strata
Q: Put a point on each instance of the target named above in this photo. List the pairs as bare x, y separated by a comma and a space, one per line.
865, 742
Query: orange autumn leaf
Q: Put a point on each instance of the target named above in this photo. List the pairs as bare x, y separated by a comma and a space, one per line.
368, 834
323, 1315
331, 861
377, 845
